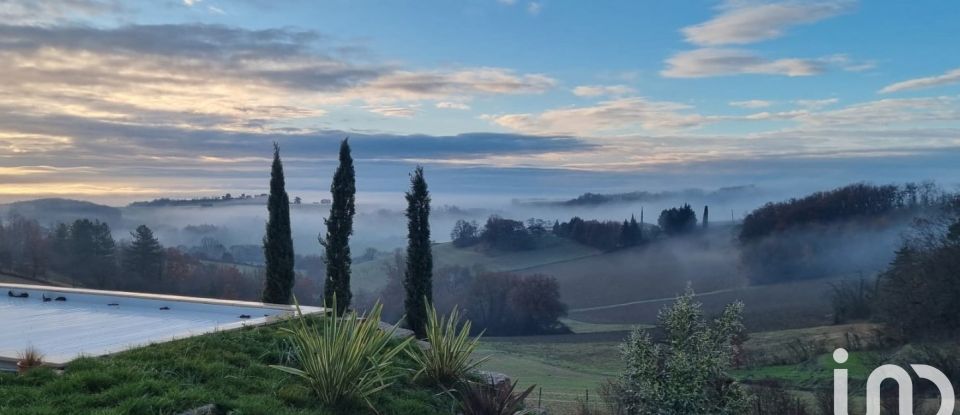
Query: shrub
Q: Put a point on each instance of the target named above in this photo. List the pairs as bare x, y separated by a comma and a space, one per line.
492, 399
344, 360
448, 359
687, 373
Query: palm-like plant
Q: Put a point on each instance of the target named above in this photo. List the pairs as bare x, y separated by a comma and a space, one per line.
345, 359
493, 399
448, 360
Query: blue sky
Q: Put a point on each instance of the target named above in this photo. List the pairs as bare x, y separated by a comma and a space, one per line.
125, 100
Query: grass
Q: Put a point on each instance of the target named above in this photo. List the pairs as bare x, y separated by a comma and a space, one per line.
229, 369
565, 370
582, 327
369, 276
816, 373
568, 366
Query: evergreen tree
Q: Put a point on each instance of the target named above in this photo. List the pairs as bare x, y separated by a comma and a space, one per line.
339, 228
93, 252
706, 216
143, 258
626, 238
278, 243
418, 279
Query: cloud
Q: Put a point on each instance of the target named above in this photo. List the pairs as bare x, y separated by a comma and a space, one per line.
601, 90
747, 22
393, 112
611, 116
887, 112
815, 104
534, 8
212, 76
752, 104
948, 78
32, 12
442, 84
452, 105
708, 62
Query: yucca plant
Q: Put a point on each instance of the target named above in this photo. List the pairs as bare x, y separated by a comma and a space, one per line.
493, 399
346, 359
448, 360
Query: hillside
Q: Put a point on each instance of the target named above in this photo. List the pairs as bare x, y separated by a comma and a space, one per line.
370, 276
56, 210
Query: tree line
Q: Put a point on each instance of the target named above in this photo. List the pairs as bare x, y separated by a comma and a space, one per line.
85, 252
513, 235
787, 240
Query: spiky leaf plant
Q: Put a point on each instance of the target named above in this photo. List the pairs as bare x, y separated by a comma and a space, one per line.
448, 360
344, 359
493, 399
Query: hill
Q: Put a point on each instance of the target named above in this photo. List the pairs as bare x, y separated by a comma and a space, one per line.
56, 210
370, 276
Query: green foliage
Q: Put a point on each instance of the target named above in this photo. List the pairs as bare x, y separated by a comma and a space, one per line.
336, 243
143, 258
676, 221
687, 373
448, 360
917, 293
278, 242
418, 278
92, 253
346, 359
492, 399
229, 369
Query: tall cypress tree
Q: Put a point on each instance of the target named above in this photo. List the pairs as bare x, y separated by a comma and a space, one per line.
339, 228
277, 243
418, 279
706, 216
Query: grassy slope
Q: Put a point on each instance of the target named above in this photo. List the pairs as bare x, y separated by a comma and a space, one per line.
229, 369
567, 366
369, 276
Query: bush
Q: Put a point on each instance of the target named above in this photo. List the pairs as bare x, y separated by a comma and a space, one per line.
676, 221
507, 235
687, 373
917, 294
492, 399
448, 360
465, 234
344, 360
505, 304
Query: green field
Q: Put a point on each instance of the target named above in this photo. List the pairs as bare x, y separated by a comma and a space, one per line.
566, 367
369, 276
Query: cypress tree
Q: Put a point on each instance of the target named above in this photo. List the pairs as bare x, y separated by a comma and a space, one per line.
336, 244
706, 216
418, 278
278, 243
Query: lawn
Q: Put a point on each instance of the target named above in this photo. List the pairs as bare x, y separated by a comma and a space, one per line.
229, 369
564, 371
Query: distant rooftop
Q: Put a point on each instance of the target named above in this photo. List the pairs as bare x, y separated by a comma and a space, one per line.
94, 322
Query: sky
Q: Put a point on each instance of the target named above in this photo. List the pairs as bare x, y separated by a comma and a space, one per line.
120, 101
